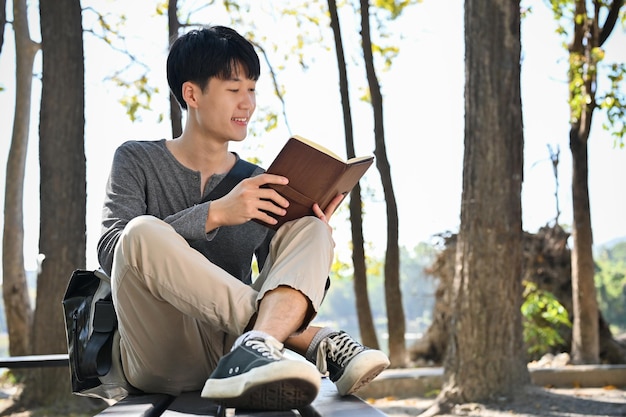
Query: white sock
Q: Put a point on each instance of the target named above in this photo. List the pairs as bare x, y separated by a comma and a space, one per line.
247, 335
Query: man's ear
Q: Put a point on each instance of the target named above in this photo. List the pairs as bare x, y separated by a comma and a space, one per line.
190, 94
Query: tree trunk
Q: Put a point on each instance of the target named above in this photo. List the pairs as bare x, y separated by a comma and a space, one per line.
396, 324
364, 311
585, 335
3, 21
63, 190
486, 356
17, 305
583, 75
176, 114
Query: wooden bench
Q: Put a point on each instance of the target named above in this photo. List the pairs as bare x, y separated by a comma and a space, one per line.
34, 361
327, 403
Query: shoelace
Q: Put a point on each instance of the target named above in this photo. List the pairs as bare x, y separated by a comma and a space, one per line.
339, 348
267, 347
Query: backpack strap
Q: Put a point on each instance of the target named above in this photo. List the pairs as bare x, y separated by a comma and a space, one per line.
241, 170
97, 355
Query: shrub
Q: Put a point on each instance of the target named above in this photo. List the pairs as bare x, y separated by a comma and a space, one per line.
543, 318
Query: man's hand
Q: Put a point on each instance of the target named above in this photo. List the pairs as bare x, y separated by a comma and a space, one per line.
330, 209
247, 201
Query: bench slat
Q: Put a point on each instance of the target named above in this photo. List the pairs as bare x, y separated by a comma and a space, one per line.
330, 404
190, 403
34, 361
145, 405
249, 413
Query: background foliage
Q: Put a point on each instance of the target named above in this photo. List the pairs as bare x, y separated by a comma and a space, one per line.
610, 279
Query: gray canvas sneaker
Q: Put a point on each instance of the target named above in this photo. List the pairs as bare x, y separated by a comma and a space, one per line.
256, 376
349, 364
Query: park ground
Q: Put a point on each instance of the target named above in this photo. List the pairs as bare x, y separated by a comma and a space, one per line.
530, 401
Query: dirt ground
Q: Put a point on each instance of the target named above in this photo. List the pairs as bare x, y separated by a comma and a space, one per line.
531, 402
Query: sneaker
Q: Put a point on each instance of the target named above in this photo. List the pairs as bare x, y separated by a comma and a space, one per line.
349, 364
255, 376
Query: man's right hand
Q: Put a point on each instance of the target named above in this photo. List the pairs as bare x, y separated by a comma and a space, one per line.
248, 200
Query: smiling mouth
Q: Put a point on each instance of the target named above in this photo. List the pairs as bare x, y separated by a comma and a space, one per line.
240, 119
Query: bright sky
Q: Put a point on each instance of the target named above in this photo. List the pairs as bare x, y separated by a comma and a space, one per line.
423, 99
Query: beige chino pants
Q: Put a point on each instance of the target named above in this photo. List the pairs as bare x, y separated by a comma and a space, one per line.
179, 313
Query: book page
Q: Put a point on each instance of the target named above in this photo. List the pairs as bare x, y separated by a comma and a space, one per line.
359, 159
318, 147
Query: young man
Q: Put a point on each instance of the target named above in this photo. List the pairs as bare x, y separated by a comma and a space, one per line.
190, 316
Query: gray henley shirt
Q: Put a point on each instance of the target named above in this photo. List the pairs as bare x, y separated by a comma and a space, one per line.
146, 179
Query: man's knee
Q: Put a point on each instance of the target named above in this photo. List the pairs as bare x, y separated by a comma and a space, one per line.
143, 227
311, 227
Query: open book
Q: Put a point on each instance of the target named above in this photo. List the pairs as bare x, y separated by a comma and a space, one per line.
316, 175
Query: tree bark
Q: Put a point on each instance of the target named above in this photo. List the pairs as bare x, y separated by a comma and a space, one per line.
17, 304
396, 324
363, 308
63, 190
3, 21
585, 334
176, 114
583, 84
486, 356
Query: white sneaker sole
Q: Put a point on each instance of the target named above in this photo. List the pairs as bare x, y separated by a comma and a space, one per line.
283, 385
363, 368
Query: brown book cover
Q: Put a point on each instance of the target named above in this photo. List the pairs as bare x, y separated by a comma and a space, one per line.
315, 174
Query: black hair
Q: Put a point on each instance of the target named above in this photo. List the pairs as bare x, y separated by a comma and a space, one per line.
213, 51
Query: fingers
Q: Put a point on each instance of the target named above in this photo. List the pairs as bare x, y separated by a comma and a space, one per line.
319, 213
269, 206
263, 179
325, 215
273, 197
250, 199
332, 206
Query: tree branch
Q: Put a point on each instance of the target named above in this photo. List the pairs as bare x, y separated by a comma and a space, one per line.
610, 21
279, 94
3, 21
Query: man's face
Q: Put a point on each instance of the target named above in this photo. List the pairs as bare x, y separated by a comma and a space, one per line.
226, 106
